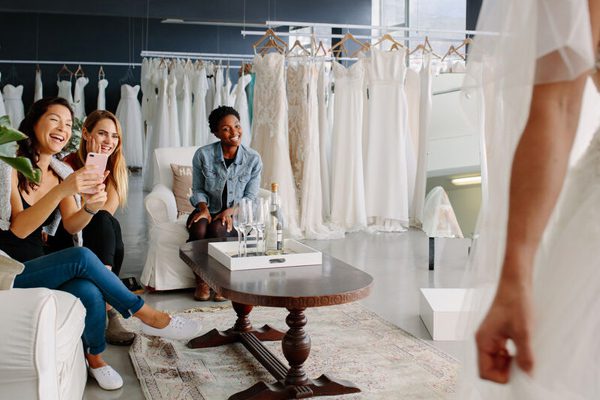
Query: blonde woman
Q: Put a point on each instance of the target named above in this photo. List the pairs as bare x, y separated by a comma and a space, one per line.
102, 133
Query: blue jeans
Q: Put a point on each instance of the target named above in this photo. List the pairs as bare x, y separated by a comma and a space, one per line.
78, 271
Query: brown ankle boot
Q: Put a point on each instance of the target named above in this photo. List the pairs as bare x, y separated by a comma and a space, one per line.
202, 292
115, 333
218, 297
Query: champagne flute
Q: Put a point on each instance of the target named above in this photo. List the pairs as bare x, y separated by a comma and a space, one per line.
237, 225
247, 221
261, 210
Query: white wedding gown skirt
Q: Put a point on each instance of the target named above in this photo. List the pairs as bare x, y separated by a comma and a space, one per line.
129, 113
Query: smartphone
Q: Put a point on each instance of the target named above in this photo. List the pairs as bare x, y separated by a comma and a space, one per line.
98, 160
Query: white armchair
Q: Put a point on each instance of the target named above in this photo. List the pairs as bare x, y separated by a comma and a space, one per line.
40, 341
164, 270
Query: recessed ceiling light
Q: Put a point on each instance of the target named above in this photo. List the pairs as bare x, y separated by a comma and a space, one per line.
468, 180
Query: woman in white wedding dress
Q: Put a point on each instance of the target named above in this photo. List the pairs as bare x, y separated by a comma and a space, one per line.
538, 237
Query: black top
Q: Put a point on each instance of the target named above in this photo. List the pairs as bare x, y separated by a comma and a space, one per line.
228, 162
28, 248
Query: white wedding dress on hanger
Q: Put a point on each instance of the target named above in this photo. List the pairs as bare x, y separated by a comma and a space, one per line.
2, 107
13, 104
38, 91
270, 134
64, 90
79, 98
348, 209
200, 119
552, 41
241, 105
174, 135
102, 84
323, 96
159, 135
387, 184
129, 114
185, 105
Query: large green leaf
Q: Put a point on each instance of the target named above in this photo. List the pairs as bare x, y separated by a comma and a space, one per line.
8, 149
24, 165
8, 134
5, 120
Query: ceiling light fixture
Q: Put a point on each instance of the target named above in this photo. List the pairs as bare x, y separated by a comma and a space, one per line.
467, 180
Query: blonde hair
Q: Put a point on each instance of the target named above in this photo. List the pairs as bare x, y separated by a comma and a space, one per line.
118, 176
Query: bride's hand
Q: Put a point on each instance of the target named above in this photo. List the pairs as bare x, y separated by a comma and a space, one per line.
509, 317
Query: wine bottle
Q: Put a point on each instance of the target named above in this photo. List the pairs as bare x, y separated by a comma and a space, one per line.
274, 231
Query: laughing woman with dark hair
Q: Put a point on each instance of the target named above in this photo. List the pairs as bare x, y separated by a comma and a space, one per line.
32, 207
224, 172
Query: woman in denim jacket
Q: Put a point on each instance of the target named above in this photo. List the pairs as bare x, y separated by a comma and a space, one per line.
224, 172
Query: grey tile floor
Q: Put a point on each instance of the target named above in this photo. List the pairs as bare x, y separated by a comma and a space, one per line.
397, 261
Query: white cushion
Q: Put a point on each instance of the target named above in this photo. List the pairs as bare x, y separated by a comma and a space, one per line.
164, 156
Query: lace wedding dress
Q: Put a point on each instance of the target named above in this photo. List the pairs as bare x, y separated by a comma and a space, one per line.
270, 133
200, 119
64, 90
552, 41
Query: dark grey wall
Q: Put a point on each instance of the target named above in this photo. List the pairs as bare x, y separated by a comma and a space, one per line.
111, 30
473, 9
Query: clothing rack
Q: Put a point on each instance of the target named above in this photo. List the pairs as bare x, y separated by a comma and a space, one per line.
122, 64
392, 28
340, 36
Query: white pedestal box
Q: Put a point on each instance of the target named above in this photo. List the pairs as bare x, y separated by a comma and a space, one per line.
441, 309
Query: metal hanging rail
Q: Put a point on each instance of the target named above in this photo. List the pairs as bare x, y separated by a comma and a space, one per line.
381, 28
338, 36
122, 64
197, 56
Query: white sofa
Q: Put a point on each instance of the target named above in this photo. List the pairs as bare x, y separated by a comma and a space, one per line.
40, 341
164, 270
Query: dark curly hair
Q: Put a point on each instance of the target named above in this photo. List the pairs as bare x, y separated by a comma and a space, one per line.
218, 114
29, 147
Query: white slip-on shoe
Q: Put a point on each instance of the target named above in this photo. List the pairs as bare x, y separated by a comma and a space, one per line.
107, 377
179, 328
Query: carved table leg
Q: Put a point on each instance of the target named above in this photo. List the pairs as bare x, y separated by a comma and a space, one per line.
296, 384
215, 337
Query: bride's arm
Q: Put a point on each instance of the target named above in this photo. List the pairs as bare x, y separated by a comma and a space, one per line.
538, 172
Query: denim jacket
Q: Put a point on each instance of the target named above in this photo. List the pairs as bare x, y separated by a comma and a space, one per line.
210, 174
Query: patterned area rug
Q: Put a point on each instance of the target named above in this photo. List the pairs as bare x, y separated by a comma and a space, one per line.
348, 342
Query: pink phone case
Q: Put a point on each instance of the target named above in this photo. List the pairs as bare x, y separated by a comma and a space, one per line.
98, 160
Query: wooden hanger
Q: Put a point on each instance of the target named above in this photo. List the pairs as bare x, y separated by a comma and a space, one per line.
388, 38
301, 50
425, 47
79, 72
64, 70
452, 50
466, 42
37, 68
273, 42
341, 47
101, 74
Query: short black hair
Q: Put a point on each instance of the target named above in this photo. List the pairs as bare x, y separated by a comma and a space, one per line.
218, 114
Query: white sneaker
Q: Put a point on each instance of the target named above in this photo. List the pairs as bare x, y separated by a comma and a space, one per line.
107, 377
179, 328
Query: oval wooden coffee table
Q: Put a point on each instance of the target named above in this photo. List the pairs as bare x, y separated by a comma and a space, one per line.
295, 288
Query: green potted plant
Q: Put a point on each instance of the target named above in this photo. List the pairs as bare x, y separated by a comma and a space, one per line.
8, 149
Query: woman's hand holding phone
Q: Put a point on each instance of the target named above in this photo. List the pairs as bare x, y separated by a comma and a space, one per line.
84, 180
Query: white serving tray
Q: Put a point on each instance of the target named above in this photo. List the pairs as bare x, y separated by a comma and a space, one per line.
296, 254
